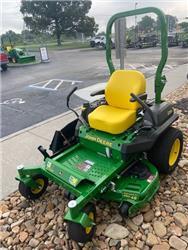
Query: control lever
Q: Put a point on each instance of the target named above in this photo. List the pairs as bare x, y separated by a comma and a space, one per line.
68, 100
43, 152
77, 115
144, 105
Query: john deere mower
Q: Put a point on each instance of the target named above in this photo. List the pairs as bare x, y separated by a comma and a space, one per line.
17, 55
115, 150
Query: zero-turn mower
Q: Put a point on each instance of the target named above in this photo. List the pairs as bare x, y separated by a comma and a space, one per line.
115, 150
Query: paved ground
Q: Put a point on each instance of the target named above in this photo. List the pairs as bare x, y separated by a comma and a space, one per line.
35, 93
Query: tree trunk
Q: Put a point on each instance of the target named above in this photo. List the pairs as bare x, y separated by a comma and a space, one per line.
58, 36
58, 33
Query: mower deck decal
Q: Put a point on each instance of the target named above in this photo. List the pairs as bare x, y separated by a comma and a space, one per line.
83, 166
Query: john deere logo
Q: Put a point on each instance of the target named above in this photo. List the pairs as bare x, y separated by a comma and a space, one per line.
99, 140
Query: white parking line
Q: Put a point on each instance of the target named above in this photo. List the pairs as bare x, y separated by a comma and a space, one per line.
13, 101
131, 66
58, 85
47, 83
53, 84
169, 66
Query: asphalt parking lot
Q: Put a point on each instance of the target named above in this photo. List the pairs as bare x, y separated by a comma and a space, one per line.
35, 93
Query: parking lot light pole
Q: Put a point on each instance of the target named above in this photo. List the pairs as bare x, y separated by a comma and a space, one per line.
135, 24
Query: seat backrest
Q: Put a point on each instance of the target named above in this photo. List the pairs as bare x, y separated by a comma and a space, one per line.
121, 84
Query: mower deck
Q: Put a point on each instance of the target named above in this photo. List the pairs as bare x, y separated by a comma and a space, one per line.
87, 174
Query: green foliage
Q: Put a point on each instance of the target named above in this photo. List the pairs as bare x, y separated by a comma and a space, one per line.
102, 33
184, 26
10, 38
147, 24
58, 17
26, 37
130, 33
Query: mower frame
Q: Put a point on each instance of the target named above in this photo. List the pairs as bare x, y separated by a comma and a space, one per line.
160, 79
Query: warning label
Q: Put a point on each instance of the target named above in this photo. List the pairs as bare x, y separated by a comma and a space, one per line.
85, 166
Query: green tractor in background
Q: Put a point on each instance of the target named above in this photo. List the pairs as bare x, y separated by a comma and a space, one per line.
115, 150
18, 55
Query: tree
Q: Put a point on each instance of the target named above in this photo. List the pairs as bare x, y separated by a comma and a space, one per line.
147, 24
58, 17
87, 26
102, 33
11, 38
184, 26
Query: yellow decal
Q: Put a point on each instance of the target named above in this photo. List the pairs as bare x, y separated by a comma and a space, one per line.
73, 181
99, 140
49, 165
130, 196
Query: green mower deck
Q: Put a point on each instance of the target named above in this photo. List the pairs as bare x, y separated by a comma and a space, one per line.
87, 174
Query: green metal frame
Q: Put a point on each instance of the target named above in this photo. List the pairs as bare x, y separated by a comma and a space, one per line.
160, 79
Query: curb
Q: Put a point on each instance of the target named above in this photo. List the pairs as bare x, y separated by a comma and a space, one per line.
37, 125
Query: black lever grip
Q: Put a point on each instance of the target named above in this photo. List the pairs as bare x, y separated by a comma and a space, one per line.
145, 106
69, 95
43, 152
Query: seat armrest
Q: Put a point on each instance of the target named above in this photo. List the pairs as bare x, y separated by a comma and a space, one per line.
98, 92
141, 96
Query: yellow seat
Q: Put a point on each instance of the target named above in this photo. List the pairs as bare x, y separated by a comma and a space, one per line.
112, 120
120, 113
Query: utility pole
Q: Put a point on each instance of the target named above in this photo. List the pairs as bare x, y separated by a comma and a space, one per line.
135, 37
120, 40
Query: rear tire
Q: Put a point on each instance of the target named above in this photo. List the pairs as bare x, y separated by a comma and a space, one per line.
4, 67
77, 232
166, 152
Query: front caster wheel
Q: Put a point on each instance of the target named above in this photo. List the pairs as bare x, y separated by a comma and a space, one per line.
77, 232
69, 196
34, 193
124, 209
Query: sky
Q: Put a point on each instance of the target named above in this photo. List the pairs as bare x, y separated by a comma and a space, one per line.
11, 18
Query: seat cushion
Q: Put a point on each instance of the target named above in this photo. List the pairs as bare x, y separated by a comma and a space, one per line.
111, 120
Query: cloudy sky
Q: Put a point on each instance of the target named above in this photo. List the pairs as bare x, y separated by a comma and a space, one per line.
11, 18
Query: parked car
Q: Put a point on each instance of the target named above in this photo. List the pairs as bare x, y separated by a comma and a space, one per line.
184, 43
103, 43
146, 42
173, 40
184, 40
3, 60
92, 42
95, 41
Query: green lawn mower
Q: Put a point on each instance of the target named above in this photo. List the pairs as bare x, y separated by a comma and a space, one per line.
17, 55
114, 150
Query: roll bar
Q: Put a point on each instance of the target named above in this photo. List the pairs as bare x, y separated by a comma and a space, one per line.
160, 79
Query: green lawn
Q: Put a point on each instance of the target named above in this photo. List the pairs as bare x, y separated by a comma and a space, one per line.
53, 45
